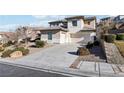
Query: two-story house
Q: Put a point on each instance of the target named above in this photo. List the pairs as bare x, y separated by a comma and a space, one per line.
70, 30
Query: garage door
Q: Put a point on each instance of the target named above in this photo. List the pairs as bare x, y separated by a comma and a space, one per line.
62, 38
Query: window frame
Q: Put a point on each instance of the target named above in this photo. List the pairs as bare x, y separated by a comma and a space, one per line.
74, 23
50, 36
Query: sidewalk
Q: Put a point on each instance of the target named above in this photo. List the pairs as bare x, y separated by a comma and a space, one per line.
93, 69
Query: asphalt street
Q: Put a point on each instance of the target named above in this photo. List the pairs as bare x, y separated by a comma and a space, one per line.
15, 71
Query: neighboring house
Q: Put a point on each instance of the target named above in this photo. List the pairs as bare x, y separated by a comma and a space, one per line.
6, 36
3, 38
70, 30
27, 33
119, 18
106, 21
118, 22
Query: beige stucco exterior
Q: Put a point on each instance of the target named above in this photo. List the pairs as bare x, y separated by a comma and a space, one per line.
83, 36
76, 26
56, 36
92, 24
74, 29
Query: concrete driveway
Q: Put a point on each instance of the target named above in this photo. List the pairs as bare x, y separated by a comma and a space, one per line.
59, 55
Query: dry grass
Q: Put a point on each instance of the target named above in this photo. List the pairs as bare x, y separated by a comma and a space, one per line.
120, 45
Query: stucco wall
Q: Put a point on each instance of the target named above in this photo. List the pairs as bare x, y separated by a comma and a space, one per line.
83, 37
91, 25
55, 36
73, 29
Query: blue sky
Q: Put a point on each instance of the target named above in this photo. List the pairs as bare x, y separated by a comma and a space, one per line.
10, 22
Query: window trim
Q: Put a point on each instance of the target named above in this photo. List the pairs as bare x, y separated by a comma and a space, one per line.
50, 37
74, 23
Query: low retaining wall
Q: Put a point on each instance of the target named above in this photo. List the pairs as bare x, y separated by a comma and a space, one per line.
112, 53
103, 47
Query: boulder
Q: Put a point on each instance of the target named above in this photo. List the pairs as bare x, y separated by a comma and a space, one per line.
82, 51
16, 54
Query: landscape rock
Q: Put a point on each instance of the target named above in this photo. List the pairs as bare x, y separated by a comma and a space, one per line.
16, 54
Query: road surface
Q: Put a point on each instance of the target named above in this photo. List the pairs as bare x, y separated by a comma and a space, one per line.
14, 71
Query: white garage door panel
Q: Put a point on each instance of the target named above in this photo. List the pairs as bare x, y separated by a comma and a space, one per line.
63, 38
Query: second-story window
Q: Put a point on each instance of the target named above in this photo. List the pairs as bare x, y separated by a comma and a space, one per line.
74, 22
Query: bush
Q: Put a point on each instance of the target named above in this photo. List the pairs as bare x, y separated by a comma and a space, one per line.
23, 50
89, 45
1, 49
39, 43
96, 43
6, 53
83, 51
5, 45
120, 46
120, 36
110, 38
9, 43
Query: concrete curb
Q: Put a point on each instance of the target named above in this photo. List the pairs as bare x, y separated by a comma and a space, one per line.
63, 71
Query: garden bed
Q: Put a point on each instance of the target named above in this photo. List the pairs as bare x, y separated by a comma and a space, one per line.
120, 46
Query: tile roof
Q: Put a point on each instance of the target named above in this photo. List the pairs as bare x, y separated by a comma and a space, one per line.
58, 21
52, 28
75, 17
90, 18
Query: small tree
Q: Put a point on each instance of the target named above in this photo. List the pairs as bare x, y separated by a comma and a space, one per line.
22, 33
105, 27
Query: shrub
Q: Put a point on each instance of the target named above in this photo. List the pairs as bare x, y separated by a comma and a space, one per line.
6, 53
39, 43
5, 45
1, 49
83, 51
120, 46
120, 36
9, 43
110, 38
96, 43
89, 45
23, 50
